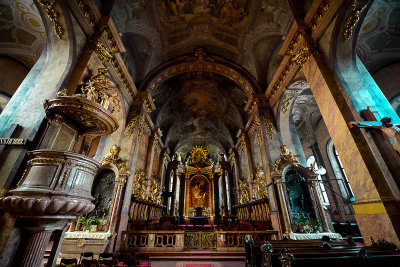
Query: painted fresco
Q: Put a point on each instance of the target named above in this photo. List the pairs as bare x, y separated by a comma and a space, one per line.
226, 12
199, 110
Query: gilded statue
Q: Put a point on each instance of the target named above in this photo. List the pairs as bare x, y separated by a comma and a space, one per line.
244, 191
97, 90
113, 157
140, 184
155, 191
261, 183
285, 159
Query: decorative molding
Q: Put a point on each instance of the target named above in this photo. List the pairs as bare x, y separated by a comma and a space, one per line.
352, 19
53, 15
114, 158
286, 103
201, 62
87, 12
286, 158
324, 6
269, 126
131, 123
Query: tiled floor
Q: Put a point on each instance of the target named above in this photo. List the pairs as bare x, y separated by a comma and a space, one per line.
178, 264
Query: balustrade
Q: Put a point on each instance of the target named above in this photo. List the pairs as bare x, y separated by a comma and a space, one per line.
180, 240
255, 211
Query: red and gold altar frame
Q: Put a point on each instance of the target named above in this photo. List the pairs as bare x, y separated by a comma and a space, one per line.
188, 196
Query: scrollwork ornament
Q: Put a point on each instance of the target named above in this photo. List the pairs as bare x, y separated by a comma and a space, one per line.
352, 19
53, 15
286, 158
269, 126
132, 122
113, 157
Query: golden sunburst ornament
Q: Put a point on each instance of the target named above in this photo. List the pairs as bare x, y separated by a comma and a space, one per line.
199, 156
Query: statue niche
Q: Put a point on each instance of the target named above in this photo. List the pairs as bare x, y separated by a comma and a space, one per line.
103, 191
299, 200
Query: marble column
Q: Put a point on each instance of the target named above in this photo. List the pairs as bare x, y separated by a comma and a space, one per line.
224, 193
285, 214
174, 188
120, 184
373, 184
35, 248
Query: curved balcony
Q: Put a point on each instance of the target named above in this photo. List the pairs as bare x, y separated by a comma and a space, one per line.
90, 117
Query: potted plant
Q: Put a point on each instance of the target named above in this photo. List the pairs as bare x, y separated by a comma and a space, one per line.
316, 225
86, 223
300, 222
94, 224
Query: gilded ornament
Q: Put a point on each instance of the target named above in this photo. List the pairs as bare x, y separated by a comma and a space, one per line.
303, 55
286, 158
131, 124
269, 126
87, 12
114, 158
259, 130
102, 53
140, 184
97, 90
199, 157
53, 15
286, 103
261, 183
200, 56
244, 191
352, 19
63, 92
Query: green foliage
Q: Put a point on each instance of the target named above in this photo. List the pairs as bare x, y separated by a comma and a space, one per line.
307, 224
87, 222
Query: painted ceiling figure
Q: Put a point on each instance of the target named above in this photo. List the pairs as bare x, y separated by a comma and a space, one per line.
387, 127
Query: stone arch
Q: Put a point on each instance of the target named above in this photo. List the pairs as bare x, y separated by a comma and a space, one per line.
47, 76
205, 63
286, 128
356, 80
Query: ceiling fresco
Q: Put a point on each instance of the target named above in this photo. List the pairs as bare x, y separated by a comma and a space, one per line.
237, 30
179, 12
22, 33
199, 108
378, 41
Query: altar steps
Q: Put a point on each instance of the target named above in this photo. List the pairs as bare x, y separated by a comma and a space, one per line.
197, 256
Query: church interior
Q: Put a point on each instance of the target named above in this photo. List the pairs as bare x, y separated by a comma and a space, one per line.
203, 133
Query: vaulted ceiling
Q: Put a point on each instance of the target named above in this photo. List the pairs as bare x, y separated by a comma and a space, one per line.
202, 108
247, 32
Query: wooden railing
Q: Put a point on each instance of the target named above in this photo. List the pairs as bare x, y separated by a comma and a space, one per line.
257, 210
141, 210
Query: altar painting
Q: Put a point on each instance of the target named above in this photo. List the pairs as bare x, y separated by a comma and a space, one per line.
199, 192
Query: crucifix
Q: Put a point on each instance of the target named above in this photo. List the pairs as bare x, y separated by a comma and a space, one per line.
391, 132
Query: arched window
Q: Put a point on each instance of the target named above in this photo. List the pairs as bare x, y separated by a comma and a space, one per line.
321, 171
337, 167
3, 101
